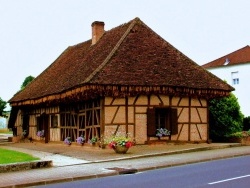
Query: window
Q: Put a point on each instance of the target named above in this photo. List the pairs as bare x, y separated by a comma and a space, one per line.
161, 118
235, 81
54, 121
235, 78
38, 124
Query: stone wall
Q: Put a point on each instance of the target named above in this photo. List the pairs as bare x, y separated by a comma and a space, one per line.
25, 166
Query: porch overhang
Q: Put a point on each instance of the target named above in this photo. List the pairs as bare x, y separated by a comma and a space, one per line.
94, 91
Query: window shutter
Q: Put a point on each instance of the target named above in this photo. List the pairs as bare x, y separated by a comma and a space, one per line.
173, 121
151, 131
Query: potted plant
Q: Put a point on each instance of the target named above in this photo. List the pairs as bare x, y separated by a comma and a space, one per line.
102, 143
93, 140
120, 144
23, 136
40, 133
162, 132
68, 141
80, 140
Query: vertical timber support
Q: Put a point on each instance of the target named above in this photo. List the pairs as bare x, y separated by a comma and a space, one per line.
126, 113
208, 127
102, 116
189, 118
148, 137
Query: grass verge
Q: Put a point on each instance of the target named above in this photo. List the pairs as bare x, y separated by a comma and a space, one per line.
5, 131
10, 156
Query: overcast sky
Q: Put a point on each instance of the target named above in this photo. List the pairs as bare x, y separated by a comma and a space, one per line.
33, 33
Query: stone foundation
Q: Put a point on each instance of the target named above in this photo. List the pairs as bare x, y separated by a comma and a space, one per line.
25, 166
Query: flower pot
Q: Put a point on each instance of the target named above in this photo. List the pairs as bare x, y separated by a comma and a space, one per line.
103, 146
121, 149
16, 139
68, 144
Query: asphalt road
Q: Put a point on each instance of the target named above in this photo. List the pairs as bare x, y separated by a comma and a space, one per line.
234, 172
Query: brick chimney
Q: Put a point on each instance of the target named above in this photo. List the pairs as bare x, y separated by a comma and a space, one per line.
97, 31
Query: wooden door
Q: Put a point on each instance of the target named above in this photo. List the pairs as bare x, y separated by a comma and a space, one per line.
44, 123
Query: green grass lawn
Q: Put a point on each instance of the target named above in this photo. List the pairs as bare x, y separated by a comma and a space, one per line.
6, 131
11, 156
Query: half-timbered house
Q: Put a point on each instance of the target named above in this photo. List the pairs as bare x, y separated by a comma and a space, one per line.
127, 79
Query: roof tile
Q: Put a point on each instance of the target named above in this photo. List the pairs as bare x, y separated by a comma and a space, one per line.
129, 55
240, 56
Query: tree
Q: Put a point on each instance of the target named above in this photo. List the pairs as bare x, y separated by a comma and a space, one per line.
2, 107
225, 117
27, 81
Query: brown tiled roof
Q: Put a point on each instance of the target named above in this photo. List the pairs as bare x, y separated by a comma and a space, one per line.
128, 59
240, 56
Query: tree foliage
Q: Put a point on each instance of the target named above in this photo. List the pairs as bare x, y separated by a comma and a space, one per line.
225, 117
2, 107
27, 80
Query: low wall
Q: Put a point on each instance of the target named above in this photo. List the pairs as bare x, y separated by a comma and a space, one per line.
25, 166
243, 140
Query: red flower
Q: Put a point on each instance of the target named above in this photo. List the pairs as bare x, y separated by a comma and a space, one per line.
112, 145
129, 144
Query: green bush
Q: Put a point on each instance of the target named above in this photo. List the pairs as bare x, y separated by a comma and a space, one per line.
225, 117
240, 134
2, 107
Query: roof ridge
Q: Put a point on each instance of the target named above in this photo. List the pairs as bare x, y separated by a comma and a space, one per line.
112, 52
235, 51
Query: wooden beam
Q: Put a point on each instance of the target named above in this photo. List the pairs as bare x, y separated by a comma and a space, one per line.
189, 118
89, 91
102, 116
126, 113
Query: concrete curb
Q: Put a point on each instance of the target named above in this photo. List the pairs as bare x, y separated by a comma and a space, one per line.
67, 179
173, 152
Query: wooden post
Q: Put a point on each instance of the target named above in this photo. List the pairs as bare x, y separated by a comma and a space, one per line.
189, 118
126, 113
208, 127
102, 116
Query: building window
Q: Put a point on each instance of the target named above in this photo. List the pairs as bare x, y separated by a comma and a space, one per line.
235, 81
235, 78
161, 118
39, 124
54, 121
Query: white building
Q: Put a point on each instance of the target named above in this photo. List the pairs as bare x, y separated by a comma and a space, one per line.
235, 69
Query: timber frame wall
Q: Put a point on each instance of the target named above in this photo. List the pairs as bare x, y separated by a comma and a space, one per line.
81, 119
112, 115
129, 115
65, 121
